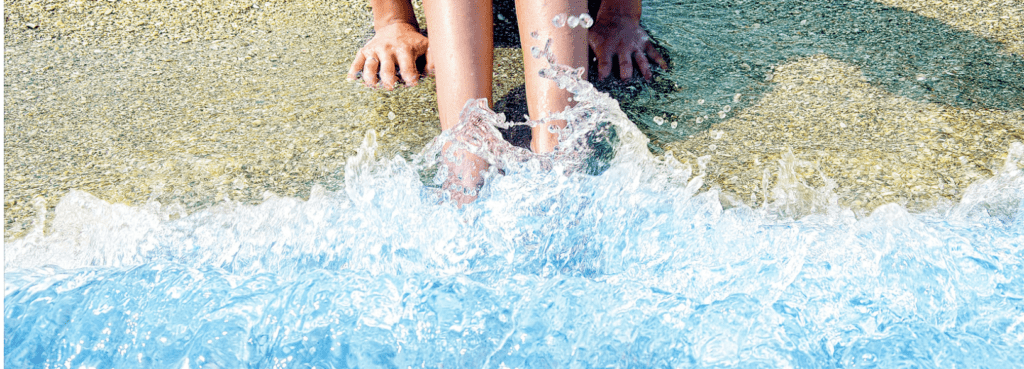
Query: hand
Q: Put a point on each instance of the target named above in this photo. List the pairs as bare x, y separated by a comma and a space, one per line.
622, 35
395, 44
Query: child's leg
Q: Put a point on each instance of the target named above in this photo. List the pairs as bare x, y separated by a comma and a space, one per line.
462, 51
569, 46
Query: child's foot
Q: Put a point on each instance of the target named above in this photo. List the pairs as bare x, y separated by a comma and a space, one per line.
465, 174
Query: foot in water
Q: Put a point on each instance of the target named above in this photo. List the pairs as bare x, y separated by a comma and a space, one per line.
465, 174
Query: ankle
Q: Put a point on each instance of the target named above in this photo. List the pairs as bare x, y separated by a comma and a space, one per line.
543, 141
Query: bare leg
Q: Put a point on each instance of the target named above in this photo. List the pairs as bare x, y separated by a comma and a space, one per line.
462, 51
569, 46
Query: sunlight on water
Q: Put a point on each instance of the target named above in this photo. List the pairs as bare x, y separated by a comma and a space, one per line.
565, 260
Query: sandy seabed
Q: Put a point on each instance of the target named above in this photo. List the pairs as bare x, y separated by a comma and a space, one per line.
196, 102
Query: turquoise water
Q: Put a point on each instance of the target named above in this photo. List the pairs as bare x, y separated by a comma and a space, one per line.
627, 266
600, 255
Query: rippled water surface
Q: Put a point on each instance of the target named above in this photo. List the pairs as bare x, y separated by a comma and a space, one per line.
626, 268
600, 257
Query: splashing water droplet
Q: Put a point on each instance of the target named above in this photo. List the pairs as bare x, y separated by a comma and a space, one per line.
700, 120
553, 128
535, 51
386, 227
659, 120
442, 174
558, 20
548, 55
727, 108
700, 102
586, 21
721, 115
572, 22
535, 35
736, 98
1014, 157
675, 124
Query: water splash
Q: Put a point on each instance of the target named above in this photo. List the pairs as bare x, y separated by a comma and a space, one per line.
627, 266
572, 21
586, 21
792, 197
558, 20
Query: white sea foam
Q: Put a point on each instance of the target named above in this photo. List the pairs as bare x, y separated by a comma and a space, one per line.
565, 259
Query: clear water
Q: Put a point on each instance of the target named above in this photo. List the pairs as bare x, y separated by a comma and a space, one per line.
722, 48
627, 266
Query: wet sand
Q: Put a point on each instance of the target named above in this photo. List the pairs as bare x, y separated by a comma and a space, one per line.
194, 103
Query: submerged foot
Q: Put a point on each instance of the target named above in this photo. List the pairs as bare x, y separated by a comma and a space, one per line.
465, 174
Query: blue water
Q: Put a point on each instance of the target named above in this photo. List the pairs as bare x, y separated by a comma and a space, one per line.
628, 266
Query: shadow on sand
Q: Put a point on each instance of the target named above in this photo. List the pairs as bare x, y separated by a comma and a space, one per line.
720, 48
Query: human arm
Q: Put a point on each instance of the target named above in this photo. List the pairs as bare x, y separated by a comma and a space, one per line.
397, 42
617, 31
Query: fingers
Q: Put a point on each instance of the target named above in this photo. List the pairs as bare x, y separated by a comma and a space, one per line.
604, 63
387, 72
370, 69
654, 54
353, 71
604, 67
429, 68
643, 65
381, 68
627, 50
604, 59
627, 55
407, 66
625, 65
627, 58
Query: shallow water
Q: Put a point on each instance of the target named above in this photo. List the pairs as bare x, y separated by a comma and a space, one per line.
627, 266
724, 48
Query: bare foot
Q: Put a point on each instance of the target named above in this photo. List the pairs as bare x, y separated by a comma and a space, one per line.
465, 174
